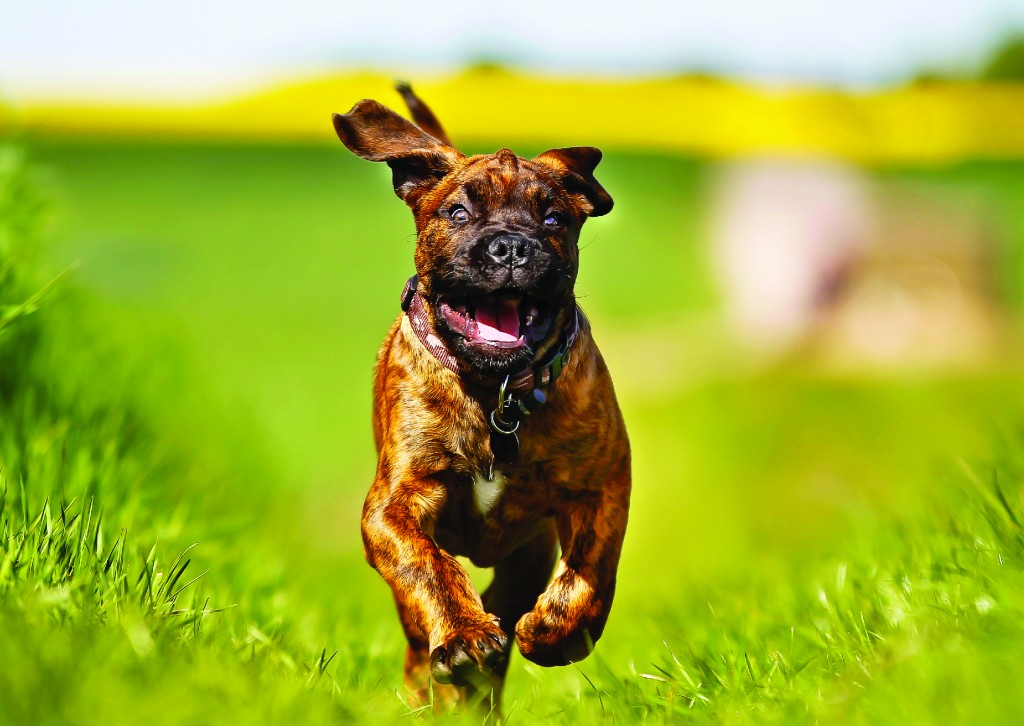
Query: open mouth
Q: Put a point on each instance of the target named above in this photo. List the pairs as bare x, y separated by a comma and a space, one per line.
501, 320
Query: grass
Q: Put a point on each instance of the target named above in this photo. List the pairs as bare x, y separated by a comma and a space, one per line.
193, 400
911, 602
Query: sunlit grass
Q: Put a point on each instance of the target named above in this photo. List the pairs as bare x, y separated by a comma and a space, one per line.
194, 401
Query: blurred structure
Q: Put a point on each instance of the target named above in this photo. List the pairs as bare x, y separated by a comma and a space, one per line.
815, 257
787, 237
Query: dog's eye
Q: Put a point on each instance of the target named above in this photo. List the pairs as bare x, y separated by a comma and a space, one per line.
553, 219
458, 214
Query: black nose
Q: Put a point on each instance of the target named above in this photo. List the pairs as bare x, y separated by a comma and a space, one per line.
509, 250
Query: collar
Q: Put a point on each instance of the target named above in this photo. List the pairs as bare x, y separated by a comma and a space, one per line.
539, 376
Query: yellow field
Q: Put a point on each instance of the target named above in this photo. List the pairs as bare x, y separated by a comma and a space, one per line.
928, 123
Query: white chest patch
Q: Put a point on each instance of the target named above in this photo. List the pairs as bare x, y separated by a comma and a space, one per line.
486, 493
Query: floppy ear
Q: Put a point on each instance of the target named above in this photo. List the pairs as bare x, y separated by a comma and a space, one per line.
417, 160
576, 165
422, 114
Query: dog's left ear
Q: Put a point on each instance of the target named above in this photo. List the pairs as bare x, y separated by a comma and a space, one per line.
417, 160
576, 165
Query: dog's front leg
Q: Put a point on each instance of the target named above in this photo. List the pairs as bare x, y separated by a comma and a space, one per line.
570, 614
433, 591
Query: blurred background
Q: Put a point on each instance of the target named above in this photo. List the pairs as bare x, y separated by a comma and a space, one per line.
809, 292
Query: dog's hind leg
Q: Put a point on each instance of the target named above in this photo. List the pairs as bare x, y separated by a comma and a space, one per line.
519, 580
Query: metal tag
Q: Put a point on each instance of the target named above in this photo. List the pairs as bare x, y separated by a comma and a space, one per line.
505, 447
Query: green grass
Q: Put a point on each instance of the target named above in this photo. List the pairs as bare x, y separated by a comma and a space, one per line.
193, 399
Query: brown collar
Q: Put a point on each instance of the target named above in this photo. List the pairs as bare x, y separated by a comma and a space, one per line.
539, 376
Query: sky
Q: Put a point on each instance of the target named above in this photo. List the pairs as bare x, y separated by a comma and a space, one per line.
197, 48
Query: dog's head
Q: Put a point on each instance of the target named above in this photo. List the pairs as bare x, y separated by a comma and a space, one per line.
497, 234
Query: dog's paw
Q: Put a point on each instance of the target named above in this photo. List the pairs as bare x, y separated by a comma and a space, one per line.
468, 655
552, 641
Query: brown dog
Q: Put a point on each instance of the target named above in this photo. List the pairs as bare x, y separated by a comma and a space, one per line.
498, 432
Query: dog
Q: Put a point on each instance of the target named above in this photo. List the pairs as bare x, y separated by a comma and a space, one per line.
498, 433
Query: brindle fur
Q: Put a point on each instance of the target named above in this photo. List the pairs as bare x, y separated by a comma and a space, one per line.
567, 490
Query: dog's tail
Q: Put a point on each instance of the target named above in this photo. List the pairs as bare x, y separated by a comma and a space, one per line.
422, 114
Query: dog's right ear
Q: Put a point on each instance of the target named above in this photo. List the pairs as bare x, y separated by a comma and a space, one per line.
576, 165
417, 160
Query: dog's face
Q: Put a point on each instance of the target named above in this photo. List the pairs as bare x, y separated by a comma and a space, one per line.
497, 235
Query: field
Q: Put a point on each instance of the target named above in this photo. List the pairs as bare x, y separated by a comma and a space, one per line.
803, 546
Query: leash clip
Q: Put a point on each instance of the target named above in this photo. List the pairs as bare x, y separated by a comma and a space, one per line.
498, 422
503, 428
504, 399
505, 420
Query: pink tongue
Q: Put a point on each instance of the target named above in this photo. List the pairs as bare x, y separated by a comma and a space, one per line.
498, 320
